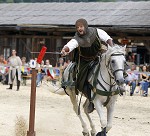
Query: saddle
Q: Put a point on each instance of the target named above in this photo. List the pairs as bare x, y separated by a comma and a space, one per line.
71, 78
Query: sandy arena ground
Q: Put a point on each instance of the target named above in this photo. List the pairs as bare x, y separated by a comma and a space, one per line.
55, 117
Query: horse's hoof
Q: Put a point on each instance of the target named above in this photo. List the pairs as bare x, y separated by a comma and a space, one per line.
101, 133
98, 134
93, 134
85, 133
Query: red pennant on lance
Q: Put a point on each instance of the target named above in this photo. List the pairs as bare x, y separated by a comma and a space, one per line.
41, 55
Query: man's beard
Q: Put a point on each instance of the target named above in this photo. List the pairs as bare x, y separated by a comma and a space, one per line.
82, 34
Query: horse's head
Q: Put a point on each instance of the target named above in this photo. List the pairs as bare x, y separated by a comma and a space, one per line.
115, 61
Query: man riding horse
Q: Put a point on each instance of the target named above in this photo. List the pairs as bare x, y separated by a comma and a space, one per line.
87, 40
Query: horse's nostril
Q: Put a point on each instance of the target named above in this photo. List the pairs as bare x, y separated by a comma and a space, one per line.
117, 81
121, 81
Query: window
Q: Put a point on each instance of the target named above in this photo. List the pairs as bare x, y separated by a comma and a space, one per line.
6, 52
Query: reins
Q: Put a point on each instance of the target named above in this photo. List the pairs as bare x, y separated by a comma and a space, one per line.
111, 74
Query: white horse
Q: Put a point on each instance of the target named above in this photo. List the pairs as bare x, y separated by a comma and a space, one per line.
109, 75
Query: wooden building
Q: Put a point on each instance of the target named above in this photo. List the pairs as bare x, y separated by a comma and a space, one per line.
28, 26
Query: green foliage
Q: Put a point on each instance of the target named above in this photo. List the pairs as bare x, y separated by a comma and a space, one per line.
106, 0
10, 1
1, 1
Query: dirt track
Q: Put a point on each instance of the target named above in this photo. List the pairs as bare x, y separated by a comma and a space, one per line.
55, 117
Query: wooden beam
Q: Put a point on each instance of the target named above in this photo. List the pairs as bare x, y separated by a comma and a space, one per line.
147, 38
28, 36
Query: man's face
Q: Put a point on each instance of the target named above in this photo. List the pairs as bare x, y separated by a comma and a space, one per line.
13, 52
80, 29
23, 60
47, 62
133, 67
144, 68
61, 61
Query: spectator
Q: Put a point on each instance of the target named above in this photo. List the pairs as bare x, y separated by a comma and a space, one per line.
132, 78
60, 62
60, 65
40, 74
2, 60
39, 65
3, 70
15, 71
57, 73
130, 57
48, 66
144, 84
49, 71
24, 69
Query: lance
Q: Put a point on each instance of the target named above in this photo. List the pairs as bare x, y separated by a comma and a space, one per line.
59, 53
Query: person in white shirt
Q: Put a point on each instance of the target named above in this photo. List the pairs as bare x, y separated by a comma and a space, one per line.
87, 41
49, 67
132, 78
14, 70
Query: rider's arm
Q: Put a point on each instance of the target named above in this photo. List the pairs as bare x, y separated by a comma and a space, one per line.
105, 37
71, 45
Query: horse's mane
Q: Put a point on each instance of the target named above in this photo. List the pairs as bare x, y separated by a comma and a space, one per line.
115, 49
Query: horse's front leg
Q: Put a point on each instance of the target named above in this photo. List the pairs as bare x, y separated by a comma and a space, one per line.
98, 102
75, 108
85, 106
99, 108
110, 110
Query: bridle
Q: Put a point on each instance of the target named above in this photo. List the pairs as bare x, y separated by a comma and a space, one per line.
114, 71
110, 70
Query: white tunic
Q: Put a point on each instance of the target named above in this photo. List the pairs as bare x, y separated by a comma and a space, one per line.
15, 64
72, 44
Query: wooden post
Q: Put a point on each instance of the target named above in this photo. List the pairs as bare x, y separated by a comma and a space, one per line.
31, 131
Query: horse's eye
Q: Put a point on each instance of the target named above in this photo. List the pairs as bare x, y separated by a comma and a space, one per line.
112, 61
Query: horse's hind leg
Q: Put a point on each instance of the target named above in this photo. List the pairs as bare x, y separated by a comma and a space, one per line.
85, 106
75, 107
